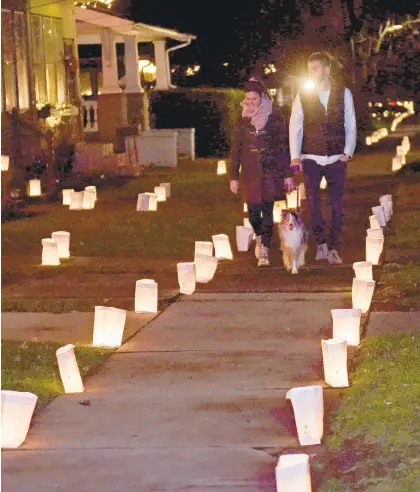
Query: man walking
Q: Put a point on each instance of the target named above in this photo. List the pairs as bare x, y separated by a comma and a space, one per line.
322, 137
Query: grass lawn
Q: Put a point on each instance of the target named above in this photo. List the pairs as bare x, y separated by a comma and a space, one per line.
407, 223
114, 241
400, 282
375, 445
32, 366
201, 205
400, 285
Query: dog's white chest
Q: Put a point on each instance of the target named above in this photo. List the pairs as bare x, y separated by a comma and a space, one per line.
292, 239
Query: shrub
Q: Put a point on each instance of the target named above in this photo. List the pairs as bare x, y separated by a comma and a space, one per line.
212, 112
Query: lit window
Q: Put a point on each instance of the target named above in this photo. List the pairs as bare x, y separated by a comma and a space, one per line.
48, 60
14, 60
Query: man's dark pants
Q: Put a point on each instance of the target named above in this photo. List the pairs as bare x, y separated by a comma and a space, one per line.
335, 175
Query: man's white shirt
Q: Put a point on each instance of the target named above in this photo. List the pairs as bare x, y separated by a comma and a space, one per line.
296, 129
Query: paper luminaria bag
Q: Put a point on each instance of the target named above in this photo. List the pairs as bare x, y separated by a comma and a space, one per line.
374, 247
244, 237
76, 202
375, 233
293, 199
108, 326
309, 424
17, 408
396, 163
50, 252
62, 239
222, 248
69, 370
203, 247
221, 167
205, 267
186, 277
167, 187
153, 201
92, 189
346, 325
34, 187
160, 192
142, 202
302, 191
363, 270
374, 223
334, 356
293, 473
88, 202
5, 162
67, 192
362, 293
277, 210
379, 212
146, 296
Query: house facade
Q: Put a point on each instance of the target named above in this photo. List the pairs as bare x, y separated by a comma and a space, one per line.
43, 110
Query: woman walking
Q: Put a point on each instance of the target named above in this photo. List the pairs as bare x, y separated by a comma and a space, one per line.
260, 150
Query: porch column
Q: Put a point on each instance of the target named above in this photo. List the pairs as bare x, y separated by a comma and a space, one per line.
163, 82
109, 63
132, 76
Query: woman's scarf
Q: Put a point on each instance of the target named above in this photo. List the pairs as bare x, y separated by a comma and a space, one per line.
259, 115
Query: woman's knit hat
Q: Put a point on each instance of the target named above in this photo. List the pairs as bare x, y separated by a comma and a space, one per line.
255, 85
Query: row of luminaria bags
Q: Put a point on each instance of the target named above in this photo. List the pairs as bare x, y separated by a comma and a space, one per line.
292, 470
108, 328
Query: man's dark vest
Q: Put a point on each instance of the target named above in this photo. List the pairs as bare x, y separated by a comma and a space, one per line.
323, 131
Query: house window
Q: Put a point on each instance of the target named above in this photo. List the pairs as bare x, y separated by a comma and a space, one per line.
14, 50
48, 60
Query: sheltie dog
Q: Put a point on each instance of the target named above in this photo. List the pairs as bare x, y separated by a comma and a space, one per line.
294, 240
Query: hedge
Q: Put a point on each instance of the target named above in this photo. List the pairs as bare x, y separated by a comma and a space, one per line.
212, 112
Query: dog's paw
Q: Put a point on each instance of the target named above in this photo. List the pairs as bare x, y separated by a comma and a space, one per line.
294, 271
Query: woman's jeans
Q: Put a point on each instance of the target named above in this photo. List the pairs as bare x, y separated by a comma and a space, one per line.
261, 219
335, 175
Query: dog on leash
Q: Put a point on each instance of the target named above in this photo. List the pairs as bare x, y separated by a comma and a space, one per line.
294, 240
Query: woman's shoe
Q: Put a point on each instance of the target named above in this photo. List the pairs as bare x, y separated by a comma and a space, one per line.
258, 245
263, 259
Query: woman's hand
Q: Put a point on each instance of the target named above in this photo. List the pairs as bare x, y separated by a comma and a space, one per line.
234, 186
296, 166
289, 185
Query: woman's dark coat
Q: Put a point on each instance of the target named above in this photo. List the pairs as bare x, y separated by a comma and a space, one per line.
263, 158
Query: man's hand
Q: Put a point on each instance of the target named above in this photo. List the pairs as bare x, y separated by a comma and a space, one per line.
296, 166
289, 185
234, 186
345, 158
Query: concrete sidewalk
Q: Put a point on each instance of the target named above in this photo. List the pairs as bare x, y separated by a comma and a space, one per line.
195, 401
63, 328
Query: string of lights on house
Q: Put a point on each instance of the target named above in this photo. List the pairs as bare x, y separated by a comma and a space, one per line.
95, 4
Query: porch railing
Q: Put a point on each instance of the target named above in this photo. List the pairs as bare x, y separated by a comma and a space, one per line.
90, 116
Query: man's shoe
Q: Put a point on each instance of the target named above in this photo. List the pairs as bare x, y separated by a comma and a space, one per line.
333, 257
258, 245
263, 259
322, 252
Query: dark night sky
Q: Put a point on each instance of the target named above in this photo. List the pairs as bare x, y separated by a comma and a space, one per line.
213, 23
235, 31
242, 32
